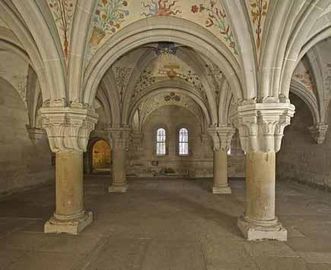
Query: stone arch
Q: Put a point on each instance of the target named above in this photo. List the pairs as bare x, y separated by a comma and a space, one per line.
89, 162
303, 38
155, 29
307, 97
185, 56
159, 88
32, 39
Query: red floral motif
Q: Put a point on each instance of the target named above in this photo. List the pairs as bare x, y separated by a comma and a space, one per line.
161, 8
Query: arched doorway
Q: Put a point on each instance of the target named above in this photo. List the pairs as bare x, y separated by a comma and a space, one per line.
101, 157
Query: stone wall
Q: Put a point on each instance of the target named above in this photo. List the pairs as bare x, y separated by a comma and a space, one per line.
144, 162
23, 162
300, 158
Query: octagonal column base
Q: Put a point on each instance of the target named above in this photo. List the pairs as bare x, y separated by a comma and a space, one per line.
118, 188
254, 231
69, 226
222, 190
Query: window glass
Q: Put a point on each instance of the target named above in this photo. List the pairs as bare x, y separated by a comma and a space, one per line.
183, 142
161, 142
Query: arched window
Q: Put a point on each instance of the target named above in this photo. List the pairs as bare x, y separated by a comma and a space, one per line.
183, 142
161, 142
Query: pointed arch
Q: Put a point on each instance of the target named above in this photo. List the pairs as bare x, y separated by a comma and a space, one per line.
155, 29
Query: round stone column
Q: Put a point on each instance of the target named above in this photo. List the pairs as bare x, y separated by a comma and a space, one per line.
68, 130
259, 220
221, 137
221, 185
119, 141
69, 216
261, 127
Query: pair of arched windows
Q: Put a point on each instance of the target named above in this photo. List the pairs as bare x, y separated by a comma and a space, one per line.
161, 140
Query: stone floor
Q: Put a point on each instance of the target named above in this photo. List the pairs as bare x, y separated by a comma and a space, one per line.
165, 224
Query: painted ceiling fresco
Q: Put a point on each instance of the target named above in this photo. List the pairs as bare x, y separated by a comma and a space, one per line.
257, 10
303, 74
63, 11
168, 98
112, 15
167, 67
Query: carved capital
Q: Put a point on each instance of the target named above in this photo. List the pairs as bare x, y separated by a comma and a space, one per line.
318, 132
261, 125
119, 137
36, 134
221, 137
68, 128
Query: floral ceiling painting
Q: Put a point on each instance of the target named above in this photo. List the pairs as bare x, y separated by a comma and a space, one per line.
62, 11
257, 11
111, 16
161, 8
303, 74
216, 17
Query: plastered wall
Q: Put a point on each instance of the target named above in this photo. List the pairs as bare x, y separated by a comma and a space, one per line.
300, 158
22, 162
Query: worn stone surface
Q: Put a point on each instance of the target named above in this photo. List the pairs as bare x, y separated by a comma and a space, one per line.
164, 224
300, 158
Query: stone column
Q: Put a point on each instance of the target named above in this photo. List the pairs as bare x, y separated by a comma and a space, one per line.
68, 131
119, 141
261, 127
221, 137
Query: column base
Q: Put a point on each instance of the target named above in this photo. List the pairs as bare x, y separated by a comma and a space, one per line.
222, 190
254, 231
118, 189
71, 226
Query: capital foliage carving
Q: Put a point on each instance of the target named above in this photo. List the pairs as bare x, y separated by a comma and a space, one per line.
119, 137
221, 137
68, 128
318, 132
261, 125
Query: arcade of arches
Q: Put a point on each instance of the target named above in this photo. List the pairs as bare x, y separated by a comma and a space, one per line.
127, 92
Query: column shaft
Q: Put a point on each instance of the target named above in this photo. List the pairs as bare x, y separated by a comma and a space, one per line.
69, 184
69, 216
221, 185
119, 183
259, 221
260, 186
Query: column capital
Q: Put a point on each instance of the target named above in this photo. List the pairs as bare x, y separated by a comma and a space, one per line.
119, 137
36, 134
68, 128
318, 132
221, 137
261, 125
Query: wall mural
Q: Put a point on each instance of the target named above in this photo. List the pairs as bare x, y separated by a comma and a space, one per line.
216, 17
108, 18
306, 79
303, 74
122, 75
160, 8
170, 98
258, 11
112, 15
62, 11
